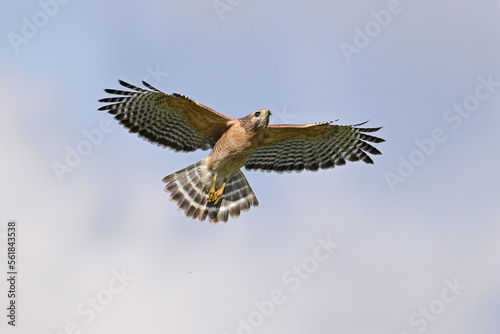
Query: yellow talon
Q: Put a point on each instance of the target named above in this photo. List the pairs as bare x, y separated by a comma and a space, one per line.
215, 196
211, 192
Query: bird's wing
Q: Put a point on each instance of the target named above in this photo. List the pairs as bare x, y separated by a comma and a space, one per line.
173, 121
288, 148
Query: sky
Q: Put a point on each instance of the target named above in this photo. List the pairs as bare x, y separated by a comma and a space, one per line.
406, 245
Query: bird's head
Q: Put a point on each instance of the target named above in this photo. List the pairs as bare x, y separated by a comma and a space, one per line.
259, 119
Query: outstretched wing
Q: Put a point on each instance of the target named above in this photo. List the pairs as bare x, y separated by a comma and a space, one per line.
288, 148
173, 121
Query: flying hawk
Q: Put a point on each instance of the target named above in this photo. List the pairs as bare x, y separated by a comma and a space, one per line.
215, 187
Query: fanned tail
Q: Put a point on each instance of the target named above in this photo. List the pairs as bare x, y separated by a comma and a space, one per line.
189, 188
238, 196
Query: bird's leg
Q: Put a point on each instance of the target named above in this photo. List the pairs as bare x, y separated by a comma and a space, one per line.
211, 192
213, 195
218, 193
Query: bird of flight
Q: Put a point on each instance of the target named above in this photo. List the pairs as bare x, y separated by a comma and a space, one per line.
215, 186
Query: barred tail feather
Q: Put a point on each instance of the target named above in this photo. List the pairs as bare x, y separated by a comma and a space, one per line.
238, 196
189, 188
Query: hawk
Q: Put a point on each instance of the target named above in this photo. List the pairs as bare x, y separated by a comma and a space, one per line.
215, 186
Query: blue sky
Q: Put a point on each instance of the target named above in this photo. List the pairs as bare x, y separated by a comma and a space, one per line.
407, 245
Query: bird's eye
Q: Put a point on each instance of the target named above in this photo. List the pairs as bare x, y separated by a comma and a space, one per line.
257, 114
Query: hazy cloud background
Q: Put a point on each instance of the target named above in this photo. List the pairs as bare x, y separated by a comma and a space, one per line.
399, 244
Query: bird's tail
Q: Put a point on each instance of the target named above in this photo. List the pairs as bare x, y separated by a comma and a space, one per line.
189, 188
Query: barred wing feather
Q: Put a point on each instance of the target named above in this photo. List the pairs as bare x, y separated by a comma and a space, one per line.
289, 148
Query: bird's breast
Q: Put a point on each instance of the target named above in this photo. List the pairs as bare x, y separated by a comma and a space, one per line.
231, 152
